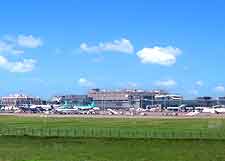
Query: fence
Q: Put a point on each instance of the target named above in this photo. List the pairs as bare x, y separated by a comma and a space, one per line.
112, 133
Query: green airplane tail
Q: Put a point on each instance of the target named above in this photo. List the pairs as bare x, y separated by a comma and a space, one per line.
92, 104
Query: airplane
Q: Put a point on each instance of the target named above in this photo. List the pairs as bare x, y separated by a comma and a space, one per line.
208, 110
113, 112
214, 110
45, 107
85, 107
219, 110
192, 113
66, 108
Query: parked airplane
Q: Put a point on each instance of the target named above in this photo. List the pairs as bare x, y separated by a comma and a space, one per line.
85, 107
214, 110
219, 110
113, 112
67, 109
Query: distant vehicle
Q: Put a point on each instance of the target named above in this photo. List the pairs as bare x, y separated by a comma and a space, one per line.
173, 109
192, 113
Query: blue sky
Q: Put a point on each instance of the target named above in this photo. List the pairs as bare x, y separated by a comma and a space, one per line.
63, 47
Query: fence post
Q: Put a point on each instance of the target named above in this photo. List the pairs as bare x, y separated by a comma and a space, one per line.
23, 131
191, 135
218, 134
172, 134
200, 134
75, 132
57, 132
42, 131
7, 131
32, 131
92, 132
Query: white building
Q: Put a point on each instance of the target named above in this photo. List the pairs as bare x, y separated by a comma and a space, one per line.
19, 99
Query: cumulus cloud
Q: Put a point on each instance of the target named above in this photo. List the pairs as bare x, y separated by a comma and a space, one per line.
122, 46
26, 65
9, 48
165, 56
199, 83
219, 88
16, 44
166, 83
29, 41
85, 83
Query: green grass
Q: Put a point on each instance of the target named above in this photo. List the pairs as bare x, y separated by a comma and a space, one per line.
90, 149
24, 148
125, 123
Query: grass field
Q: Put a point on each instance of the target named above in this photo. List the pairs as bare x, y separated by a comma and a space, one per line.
68, 149
24, 148
125, 123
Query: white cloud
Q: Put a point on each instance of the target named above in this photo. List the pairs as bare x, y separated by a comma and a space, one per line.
165, 56
26, 65
122, 46
166, 83
85, 83
9, 48
13, 44
29, 41
219, 88
199, 83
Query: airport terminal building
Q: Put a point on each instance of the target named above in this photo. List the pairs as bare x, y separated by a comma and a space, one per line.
72, 99
19, 100
117, 99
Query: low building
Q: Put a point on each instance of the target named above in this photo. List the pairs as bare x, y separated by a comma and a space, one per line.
206, 101
221, 100
166, 100
19, 100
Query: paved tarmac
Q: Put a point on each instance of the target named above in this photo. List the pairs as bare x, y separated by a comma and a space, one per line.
152, 116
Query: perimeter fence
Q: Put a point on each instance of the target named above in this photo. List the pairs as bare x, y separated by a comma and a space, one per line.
113, 133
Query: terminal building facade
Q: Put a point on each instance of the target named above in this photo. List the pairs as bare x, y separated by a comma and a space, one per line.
19, 100
72, 99
117, 99
132, 98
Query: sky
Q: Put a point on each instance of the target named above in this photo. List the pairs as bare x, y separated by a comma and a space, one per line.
67, 47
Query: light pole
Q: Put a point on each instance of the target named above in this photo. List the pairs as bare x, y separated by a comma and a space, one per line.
103, 106
102, 102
